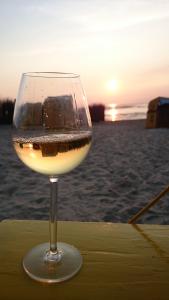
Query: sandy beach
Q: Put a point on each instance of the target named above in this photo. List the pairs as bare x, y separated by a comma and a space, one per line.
126, 167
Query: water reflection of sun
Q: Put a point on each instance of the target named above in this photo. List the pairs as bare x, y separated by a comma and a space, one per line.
112, 112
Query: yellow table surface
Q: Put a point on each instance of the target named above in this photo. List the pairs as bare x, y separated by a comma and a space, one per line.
121, 261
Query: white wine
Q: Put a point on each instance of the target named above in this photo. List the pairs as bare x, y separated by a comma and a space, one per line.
53, 154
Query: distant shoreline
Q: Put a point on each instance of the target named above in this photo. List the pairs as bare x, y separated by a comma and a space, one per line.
98, 112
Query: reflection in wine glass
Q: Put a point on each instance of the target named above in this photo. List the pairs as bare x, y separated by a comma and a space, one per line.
52, 136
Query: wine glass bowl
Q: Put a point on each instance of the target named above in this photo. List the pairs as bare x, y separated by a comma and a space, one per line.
52, 136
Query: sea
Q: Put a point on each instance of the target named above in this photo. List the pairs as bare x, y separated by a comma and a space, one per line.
114, 112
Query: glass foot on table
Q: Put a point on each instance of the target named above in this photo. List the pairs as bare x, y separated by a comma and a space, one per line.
40, 266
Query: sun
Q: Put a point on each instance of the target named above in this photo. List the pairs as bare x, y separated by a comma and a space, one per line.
112, 85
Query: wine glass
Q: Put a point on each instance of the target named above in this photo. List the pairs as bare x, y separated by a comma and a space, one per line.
52, 135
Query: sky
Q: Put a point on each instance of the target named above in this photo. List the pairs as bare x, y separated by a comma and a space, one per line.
120, 48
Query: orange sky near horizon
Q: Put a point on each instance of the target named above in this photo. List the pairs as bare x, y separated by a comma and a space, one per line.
120, 41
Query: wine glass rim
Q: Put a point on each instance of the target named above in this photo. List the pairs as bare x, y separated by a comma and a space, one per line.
51, 74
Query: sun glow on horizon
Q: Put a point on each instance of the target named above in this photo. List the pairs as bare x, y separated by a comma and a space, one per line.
112, 85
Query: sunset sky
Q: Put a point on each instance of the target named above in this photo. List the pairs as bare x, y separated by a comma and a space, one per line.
119, 47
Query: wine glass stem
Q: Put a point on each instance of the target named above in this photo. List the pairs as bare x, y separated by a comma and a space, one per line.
53, 214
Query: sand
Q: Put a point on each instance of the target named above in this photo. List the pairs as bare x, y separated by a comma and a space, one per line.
126, 166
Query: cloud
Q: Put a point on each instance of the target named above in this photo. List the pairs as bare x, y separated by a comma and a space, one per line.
120, 15
98, 16
36, 51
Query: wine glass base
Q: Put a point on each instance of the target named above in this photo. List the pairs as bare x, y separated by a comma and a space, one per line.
39, 268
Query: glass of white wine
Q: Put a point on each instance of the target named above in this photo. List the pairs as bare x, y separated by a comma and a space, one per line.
52, 135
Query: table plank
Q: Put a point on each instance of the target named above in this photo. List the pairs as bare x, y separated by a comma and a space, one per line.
121, 261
